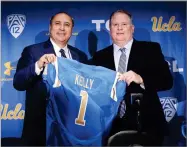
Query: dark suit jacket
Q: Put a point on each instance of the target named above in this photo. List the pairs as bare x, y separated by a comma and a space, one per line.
147, 60
36, 92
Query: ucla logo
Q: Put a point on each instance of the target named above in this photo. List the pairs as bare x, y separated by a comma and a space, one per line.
8, 114
173, 66
169, 105
16, 24
159, 26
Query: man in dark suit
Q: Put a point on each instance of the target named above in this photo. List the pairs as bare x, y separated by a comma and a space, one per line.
29, 71
144, 70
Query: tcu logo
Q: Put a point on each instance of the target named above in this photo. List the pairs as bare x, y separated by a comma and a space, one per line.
169, 105
16, 24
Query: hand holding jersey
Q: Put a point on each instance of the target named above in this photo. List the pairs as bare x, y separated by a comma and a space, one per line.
131, 76
45, 59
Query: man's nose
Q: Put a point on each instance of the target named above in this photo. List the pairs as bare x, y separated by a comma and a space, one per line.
119, 26
62, 27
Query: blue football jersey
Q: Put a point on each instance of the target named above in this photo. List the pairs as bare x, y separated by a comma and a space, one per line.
83, 101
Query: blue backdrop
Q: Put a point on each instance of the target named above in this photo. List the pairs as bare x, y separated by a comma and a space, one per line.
26, 23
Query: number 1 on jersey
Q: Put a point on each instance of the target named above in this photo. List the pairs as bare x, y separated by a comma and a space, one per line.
82, 110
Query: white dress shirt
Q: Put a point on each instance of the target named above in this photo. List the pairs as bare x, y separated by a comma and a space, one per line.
57, 50
117, 54
58, 54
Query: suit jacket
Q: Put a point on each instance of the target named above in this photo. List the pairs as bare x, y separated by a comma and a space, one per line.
147, 60
25, 78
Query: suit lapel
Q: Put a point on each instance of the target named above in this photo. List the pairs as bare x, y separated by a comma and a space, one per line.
109, 58
112, 57
133, 55
74, 54
48, 48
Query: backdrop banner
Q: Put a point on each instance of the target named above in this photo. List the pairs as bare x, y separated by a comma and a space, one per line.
26, 23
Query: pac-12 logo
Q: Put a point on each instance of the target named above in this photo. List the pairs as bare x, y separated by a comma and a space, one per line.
169, 105
16, 24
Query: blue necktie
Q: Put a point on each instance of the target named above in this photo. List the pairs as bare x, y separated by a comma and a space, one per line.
122, 69
62, 53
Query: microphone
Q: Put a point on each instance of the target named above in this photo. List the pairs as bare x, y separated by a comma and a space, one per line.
136, 98
136, 101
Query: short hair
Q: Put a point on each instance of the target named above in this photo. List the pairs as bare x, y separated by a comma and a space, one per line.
120, 11
60, 13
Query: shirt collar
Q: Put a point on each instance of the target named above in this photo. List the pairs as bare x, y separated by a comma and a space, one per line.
127, 46
57, 48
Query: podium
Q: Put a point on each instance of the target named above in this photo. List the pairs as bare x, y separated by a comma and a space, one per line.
133, 138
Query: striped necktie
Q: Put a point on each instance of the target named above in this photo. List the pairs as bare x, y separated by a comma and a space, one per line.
122, 61
122, 69
62, 53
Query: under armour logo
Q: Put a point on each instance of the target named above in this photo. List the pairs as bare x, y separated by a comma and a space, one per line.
8, 68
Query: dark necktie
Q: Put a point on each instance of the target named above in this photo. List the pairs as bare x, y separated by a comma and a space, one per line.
122, 69
62, 53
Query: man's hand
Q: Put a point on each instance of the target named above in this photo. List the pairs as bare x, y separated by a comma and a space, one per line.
45, 59
131, 76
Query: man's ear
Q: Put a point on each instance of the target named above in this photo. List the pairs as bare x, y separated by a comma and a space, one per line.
109, 27
133, 27
49, 30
